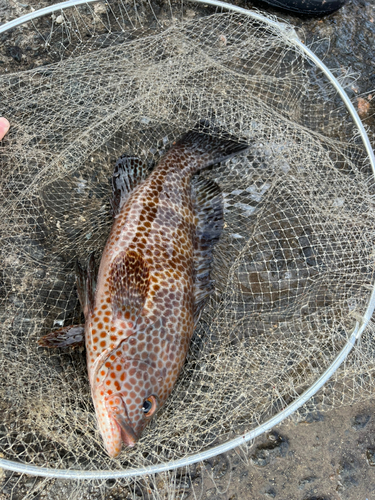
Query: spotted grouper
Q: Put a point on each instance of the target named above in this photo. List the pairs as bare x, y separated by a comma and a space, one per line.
152, 283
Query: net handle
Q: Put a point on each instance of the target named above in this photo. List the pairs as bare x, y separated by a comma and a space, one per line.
292, 37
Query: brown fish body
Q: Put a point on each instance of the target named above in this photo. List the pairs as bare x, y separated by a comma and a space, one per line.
154, 230
153, 281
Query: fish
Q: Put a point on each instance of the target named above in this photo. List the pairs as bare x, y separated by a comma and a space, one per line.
152, 284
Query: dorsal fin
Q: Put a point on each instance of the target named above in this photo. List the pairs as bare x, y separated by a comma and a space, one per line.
128, 285
208, 208
205, 148
128, 173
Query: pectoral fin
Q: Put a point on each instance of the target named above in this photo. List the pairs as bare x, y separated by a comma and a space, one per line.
68, 336
129, 282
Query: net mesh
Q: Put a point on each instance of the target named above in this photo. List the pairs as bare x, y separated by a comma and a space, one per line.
294, 265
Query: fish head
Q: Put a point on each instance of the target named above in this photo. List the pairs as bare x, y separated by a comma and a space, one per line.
125, 401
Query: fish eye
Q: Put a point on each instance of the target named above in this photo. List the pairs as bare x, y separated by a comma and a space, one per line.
149, 406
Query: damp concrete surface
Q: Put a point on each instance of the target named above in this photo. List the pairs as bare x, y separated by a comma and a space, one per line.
327, 455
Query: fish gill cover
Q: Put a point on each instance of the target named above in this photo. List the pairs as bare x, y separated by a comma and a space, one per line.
293, 269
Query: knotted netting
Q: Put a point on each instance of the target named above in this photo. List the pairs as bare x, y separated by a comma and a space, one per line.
294, 266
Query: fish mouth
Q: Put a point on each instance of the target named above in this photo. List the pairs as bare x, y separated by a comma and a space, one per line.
128, 435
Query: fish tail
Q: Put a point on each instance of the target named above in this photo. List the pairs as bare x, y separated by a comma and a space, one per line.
208, 149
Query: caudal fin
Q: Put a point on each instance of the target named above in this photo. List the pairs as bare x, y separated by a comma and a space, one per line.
208, 149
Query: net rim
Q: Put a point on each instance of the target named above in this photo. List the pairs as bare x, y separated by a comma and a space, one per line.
303, 398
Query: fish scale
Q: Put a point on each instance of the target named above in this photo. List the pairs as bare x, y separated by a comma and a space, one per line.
152, 283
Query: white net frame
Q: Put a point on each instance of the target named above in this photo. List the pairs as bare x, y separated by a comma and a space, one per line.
355, 334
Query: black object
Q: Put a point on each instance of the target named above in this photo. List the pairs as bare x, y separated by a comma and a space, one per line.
15, 52
308, 6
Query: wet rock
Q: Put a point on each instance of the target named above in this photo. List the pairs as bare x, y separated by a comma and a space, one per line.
360, 421
347, 474
304, 242
34, 250
271, 493
15, 52
370, 457
276, 446
305, 481
317, 498
218, 466
212, 494
308, 252
40, 273
23, 325
181, 484
314, 416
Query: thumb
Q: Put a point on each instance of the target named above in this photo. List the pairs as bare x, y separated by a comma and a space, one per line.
4, 127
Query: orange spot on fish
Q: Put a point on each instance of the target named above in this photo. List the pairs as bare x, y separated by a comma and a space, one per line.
118, 368
108, 364
103, 334
103, 343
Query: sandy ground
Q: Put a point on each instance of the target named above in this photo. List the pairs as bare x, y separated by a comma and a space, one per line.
331, 455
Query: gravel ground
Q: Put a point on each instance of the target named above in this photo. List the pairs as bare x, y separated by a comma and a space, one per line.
331, 455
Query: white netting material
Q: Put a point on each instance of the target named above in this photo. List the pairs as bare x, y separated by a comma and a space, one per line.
293, 268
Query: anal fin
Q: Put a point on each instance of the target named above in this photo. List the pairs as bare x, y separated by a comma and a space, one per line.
74, 335
129, 283
128, 173
208, 208
68, 336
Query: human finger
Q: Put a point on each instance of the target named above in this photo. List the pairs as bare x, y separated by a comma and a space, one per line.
4, 127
